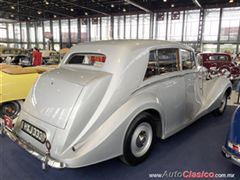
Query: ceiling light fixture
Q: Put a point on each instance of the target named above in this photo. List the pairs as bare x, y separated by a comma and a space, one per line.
124, 10
112, 5
12, 7
12, 15
197, 3
72, 9
172, 5
54, 16
164, 0
39, 12
28, 18
137, 5
86, 13
231, 1
47, 3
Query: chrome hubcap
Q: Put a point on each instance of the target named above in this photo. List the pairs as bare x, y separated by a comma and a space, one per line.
141, 139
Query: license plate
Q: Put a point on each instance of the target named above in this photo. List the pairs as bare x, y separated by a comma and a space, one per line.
8, 122
33, 131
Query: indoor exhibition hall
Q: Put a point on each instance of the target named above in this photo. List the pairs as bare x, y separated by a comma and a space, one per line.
119, 90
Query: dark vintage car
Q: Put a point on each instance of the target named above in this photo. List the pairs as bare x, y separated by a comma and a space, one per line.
22, 60
222, 63
231, 149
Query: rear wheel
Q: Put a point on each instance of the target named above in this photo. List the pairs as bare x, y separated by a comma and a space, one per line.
10, 109
138, 140
222, 107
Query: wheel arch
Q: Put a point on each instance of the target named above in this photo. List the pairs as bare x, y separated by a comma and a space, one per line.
157, 120
228, 91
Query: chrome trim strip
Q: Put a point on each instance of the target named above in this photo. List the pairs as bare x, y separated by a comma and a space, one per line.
44, 158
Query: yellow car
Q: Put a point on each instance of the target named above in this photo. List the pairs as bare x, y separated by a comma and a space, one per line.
15, 83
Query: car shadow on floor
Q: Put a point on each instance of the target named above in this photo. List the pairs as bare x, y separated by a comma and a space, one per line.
195, 148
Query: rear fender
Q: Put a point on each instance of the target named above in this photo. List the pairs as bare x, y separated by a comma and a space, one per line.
107, 141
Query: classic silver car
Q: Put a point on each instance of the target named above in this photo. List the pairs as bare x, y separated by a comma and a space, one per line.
112, 98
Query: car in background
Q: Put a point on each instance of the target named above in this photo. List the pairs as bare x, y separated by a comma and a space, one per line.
7, 54
231, 149
63, 51
50, 57
22, 60
15, 83
113, 98
222, 63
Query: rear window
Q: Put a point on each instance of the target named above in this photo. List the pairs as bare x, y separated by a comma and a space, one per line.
218, 58
89, 59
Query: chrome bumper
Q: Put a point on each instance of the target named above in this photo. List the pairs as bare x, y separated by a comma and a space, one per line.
230, 156
234, 78
44, 158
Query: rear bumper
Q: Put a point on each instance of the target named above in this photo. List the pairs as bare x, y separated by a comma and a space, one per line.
234, 159
46, 159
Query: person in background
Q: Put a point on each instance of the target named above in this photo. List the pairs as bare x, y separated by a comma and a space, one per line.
36, 57
237, 59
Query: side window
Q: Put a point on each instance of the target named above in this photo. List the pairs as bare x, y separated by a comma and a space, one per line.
162, 61
188, 60
214, 58
168, 60
223, 58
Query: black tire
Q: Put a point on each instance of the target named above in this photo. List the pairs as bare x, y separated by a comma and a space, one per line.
144, 139
11, 109
219, 111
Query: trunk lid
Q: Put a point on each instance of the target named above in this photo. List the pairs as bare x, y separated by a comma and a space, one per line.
55, 93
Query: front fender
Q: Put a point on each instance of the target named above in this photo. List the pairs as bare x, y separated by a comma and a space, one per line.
213, 97
233, 134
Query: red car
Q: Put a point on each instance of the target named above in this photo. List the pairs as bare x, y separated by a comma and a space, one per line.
222, 63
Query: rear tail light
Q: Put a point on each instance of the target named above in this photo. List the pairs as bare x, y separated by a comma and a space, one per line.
234, 147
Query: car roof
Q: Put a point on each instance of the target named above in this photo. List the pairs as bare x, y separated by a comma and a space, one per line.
122, 53
132, 44
211, 54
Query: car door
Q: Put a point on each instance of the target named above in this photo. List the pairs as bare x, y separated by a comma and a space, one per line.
165, 81
193, 84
